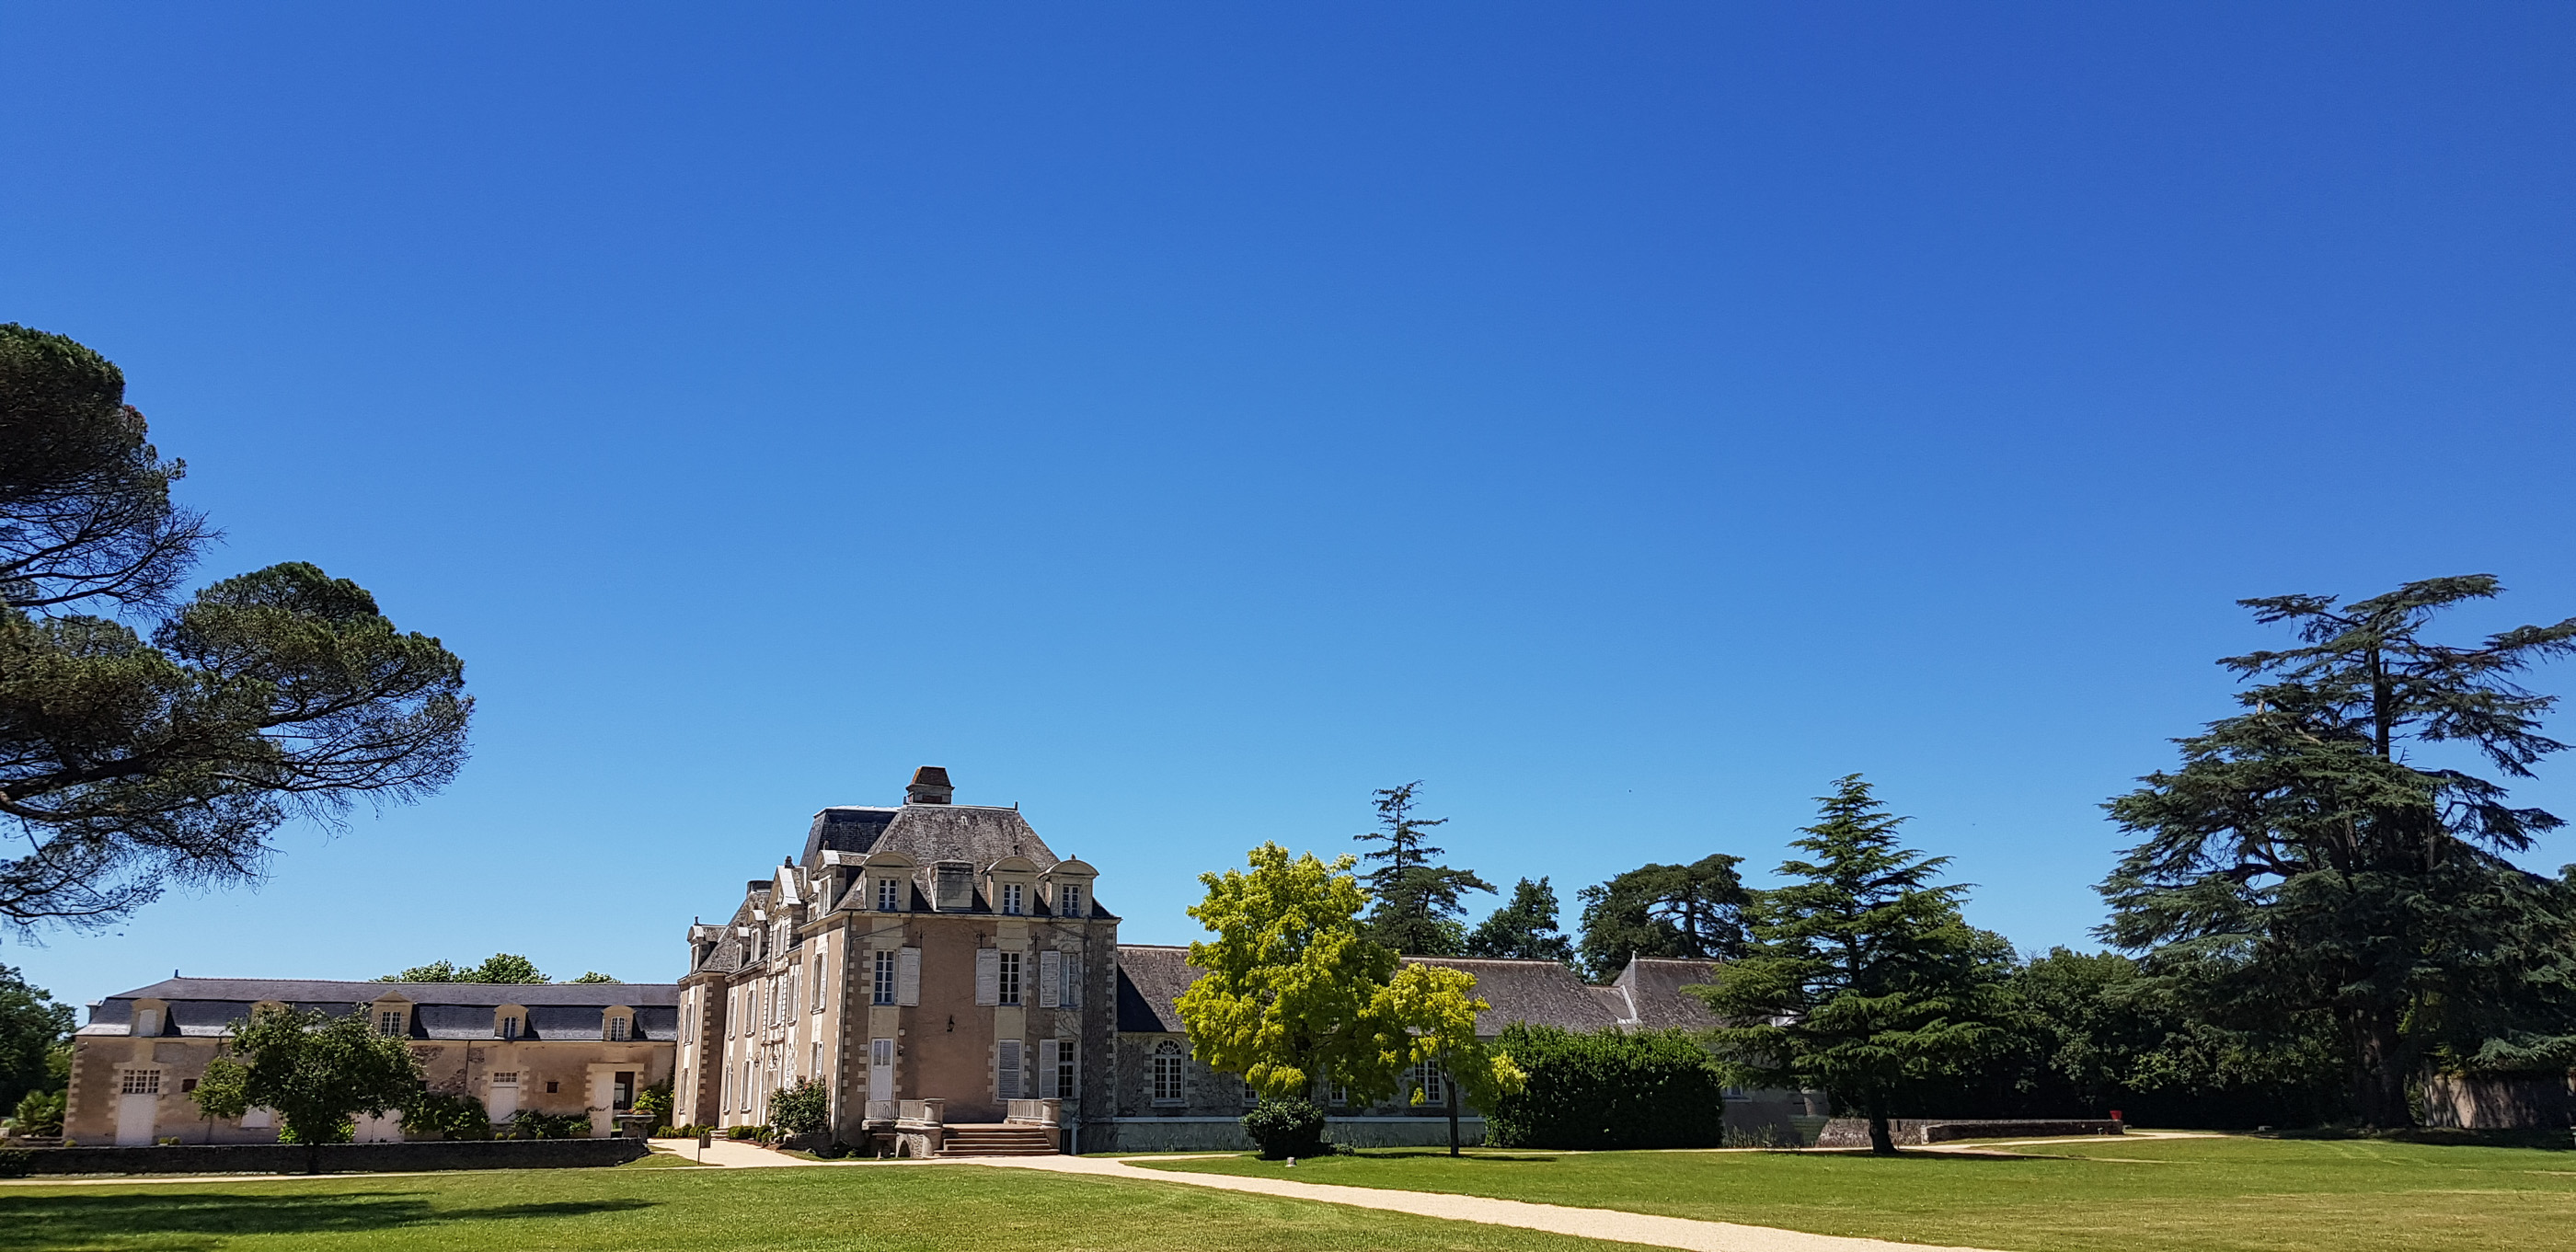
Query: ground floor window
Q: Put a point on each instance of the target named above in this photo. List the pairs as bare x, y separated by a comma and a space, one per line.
1166, 1073
141, 1082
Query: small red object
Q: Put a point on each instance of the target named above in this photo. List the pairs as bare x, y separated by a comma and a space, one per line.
2115, 1115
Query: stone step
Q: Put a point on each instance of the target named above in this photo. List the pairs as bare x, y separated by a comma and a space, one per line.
1002, 1139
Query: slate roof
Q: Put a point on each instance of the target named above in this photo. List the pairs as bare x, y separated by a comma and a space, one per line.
1152, 978
207, 1007
1654, 985
927, 832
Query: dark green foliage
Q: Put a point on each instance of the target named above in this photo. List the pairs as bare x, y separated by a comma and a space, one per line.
2082, 1034
2321, 871
500, 967
1286, 1126
1417, 902
1693, 911
1607, 1090
17, 1162
1524, 929
531, 1124
40, 1113
594, 976
448, 1116
133, 760
655, 1101
32, 1026
802, 1107
317, 1071
1861, 977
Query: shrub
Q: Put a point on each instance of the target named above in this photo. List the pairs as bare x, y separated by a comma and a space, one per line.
448, 1116
745, 1132
802, 1107
1284, 1128
342, 1133
655, 1101
40, 1113
17, 1162
531, 1124
1608, 1089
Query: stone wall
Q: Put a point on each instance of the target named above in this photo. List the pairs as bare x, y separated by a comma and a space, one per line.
288, 1158
1853, 1132
2500, 1101
1225, 1134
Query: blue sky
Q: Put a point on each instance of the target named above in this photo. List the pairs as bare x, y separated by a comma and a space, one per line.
1182, 420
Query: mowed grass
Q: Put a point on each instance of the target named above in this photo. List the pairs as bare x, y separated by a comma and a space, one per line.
2167, 1195
710, 1210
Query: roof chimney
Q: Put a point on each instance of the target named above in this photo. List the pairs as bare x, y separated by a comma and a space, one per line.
929, 786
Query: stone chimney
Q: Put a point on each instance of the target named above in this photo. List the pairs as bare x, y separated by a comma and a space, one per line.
929, 786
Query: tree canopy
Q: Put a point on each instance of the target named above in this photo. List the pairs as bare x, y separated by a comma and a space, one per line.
2303, 852
1860, 977
1289, 988
500, 967
1693, 911
131, 760
1524, 928
1417, 902
32, 1026
318, 1071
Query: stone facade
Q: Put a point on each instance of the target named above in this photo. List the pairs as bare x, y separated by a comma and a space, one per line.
564, 1049
926, 952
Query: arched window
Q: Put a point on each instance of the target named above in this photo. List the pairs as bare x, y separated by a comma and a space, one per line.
1168, 1068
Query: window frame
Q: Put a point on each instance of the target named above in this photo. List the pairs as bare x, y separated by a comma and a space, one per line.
1167, 1059
1006, 979
882, 985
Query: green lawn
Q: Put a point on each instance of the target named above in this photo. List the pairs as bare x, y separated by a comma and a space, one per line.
2165, 1195
711, 1210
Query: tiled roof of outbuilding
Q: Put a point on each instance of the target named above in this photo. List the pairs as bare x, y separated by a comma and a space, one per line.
1654, 985
1545, 993
207, 1007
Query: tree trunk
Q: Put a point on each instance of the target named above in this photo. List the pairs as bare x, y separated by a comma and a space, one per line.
312, 1156
2379, 1069
1882, 1142
1449, 1088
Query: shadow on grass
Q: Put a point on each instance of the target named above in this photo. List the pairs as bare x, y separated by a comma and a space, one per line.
196, 1222
1401, 1154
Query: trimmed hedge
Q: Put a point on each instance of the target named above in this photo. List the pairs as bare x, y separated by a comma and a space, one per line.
1286, 1128
1608, 1089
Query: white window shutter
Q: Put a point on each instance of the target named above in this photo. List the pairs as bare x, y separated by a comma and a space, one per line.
1048, 1059
1006, 1063
1050, 979
988, 975
907, 976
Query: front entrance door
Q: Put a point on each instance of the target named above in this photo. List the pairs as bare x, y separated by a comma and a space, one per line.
137, 1104
505, 1096
880, 1069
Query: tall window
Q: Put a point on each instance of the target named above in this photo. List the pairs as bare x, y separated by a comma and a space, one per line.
389, 1021
1010, 981
1068, 900
1011, 899
816, 982
1251, 1094
1427, 1077
618, 1027
1166, 1073
885, 976
889, 894
1065, 1069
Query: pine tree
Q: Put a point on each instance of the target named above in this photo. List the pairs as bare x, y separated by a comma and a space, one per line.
1694, 912
1417, 902
1861, 977
1523, 929
2300, 851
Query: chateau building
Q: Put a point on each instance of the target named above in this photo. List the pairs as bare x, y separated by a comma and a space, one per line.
952, 983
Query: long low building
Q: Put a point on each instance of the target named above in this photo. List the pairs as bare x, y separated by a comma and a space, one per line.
558, 1048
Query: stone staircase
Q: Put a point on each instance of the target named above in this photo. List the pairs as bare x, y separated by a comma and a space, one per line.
998, 1139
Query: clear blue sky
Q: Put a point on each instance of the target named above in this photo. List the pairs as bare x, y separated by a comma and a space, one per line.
1183, 420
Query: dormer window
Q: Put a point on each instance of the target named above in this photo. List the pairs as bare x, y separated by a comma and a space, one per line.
510, 1025
1068, 900
147, 1021
889, 895
1012, 897
953, 886
389, 1022
621, 1027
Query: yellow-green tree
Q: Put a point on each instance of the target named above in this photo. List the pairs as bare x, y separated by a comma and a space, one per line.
1428, 1014
1293, 987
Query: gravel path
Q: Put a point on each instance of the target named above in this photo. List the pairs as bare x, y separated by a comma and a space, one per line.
1609, 1224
